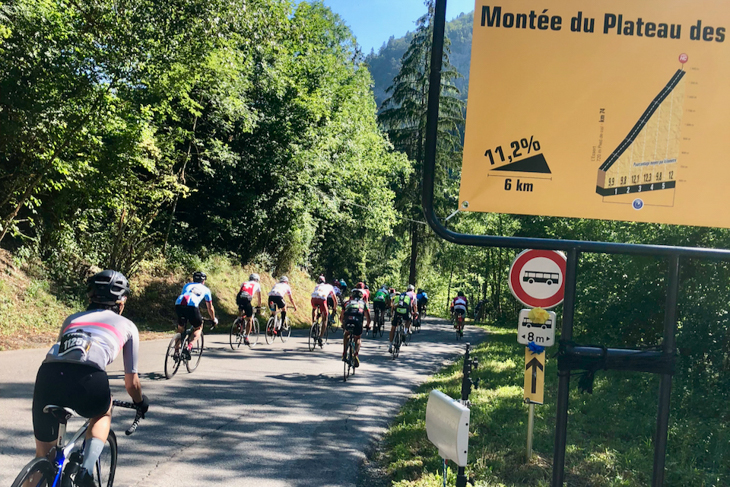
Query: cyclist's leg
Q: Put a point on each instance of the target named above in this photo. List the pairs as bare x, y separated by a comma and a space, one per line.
196, 319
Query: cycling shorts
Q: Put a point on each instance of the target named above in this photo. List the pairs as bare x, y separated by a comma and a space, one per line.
379, 305
459, 311
83, 388
190, 314
354, 326
244, 304
276, 301
319, 303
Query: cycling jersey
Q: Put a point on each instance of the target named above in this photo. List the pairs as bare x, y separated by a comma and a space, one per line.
192, 294
280, 289
95, 338
380, 296
459, 304
355, 314
322, 291
249, 289
422, 297
403, 306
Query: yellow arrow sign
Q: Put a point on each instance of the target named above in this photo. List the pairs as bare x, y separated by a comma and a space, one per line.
534, 377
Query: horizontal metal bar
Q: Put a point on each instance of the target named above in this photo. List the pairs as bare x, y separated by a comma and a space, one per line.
615, 358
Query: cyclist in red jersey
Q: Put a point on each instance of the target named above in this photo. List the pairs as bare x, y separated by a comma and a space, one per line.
249, 289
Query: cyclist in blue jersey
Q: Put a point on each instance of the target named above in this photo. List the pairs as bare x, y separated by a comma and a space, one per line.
73, 373
187, 306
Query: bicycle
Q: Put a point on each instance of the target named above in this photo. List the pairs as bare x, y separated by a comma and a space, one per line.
314, 332
67, 459
177, 351
459, 325
349, 362
274, 327
238, 331
417, 323
378, 323
400, 336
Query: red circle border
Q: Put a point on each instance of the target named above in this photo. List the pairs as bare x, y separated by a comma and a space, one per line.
516, 287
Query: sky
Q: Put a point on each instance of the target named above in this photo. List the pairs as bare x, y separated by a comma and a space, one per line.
374, 21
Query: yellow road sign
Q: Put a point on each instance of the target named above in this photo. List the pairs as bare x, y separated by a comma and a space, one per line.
610, 109
534, 377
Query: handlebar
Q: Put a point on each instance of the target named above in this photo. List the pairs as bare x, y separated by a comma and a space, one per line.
137, 417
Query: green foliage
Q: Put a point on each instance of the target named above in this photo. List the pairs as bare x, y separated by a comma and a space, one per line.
609, 431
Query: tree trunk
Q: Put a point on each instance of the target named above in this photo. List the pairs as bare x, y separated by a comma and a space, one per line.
448, 293
412, 274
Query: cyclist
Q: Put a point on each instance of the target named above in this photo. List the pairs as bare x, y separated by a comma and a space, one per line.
343, 288
380, 301
459, 306
243, 300
324, 298
393, 299
73, 373
353, 312
422, 298
276, 298
187, 306
365, 291
405, 307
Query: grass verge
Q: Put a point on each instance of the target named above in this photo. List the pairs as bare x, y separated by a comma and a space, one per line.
32, 307
609, 432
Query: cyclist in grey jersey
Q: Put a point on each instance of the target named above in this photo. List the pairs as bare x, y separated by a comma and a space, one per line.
108, 334
73, 373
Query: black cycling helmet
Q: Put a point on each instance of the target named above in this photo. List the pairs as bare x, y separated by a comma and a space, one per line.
460, 293
108, 287
199, 276
356, 293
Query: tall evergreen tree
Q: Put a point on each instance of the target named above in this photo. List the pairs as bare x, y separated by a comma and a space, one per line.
403, 116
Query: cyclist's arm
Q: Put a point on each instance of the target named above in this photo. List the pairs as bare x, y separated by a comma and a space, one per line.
130, 354
211, 310
291, 298
258, 293
334, 301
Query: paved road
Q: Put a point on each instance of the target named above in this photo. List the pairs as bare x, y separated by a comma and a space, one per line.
275, 415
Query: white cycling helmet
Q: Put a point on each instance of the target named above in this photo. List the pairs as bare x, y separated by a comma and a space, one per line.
283, 279
253, 277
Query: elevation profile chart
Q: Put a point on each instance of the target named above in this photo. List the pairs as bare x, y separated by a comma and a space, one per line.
646, 160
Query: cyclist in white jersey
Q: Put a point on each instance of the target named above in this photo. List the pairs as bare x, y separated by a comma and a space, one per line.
187, 306
323, 297
277, 294
73, 374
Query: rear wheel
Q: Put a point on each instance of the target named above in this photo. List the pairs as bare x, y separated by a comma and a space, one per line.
38, 473
269, 334
396, 344
196, 353
313, 335
235, 337
106, 465
348, 362
172, 358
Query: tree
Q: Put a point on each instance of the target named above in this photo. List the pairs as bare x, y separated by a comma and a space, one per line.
403, 116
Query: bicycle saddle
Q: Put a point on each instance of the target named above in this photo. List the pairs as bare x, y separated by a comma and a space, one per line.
60, 413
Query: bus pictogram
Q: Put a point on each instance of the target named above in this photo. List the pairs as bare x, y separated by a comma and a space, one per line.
548, 278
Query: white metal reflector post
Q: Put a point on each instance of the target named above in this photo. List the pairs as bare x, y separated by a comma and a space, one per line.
447, 426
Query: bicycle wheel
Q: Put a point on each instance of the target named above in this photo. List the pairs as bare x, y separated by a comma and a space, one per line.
196, 353
285, 331
38, 473
313, 335
106, 465
172, 358
235, 337
348, 361
382, 325
396, 345
269, 334
253, 337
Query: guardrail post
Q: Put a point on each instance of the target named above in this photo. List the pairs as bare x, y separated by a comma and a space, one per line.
665, 388
561, 423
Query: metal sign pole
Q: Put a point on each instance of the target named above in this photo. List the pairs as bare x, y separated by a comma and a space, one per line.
530, 427
561, 423
665, 388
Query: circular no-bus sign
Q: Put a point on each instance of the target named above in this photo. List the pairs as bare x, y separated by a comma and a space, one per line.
537, 278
